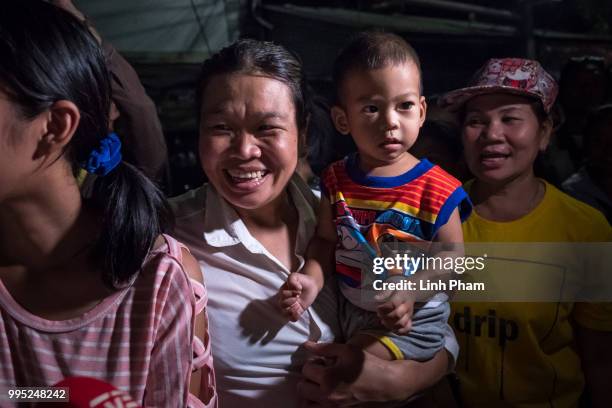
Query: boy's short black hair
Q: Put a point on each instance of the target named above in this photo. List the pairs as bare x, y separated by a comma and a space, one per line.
373, 50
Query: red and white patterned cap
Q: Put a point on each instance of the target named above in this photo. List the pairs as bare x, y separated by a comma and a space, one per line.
506, 75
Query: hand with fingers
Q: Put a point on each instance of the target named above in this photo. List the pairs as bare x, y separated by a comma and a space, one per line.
330, 376
396, 310
343, 375
297, 294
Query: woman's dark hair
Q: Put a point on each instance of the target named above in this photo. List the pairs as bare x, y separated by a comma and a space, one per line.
247, 56
48, 55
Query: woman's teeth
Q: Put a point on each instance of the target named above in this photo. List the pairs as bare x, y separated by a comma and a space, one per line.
247, 175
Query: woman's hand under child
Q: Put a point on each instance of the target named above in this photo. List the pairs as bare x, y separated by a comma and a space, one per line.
342, 375
297, 294
396, 311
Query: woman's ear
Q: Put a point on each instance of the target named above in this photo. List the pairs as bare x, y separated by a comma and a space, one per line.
340, 121
61, 123
546, 129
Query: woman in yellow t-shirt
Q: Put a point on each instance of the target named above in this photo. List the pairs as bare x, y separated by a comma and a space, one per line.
513, 353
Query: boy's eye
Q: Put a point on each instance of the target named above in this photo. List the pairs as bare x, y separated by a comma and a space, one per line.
406, 105
370, 109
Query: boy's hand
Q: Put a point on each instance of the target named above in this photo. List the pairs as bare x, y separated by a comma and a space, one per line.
396, 311
297, 294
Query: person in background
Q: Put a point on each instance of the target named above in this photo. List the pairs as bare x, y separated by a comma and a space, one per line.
89, 283
440, 142
593, 182
133, 114
524, 354
322, 148
583, 86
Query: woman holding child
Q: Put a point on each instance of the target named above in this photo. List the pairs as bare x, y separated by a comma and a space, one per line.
250, 228
530, 359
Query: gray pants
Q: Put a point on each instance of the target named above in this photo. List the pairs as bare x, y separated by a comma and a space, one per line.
421, 343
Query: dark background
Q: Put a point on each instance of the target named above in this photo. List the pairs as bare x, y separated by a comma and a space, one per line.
452, 38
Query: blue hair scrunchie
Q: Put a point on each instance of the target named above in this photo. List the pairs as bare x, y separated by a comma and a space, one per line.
106, 157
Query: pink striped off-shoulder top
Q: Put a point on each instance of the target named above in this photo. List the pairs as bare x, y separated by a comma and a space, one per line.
140, 339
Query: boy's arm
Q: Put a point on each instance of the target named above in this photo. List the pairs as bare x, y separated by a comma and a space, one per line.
320, 253
302, 288
448, 243
398, 306
451, 232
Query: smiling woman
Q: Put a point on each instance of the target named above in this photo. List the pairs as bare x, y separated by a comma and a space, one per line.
502, 136
250, 227
505, 112
248, 139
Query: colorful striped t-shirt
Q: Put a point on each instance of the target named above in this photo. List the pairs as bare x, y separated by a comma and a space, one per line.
369, 210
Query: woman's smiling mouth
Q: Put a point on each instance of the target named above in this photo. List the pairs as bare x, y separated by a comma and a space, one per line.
245, 180
493, 159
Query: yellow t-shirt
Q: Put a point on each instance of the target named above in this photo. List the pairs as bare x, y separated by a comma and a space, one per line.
520, 354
